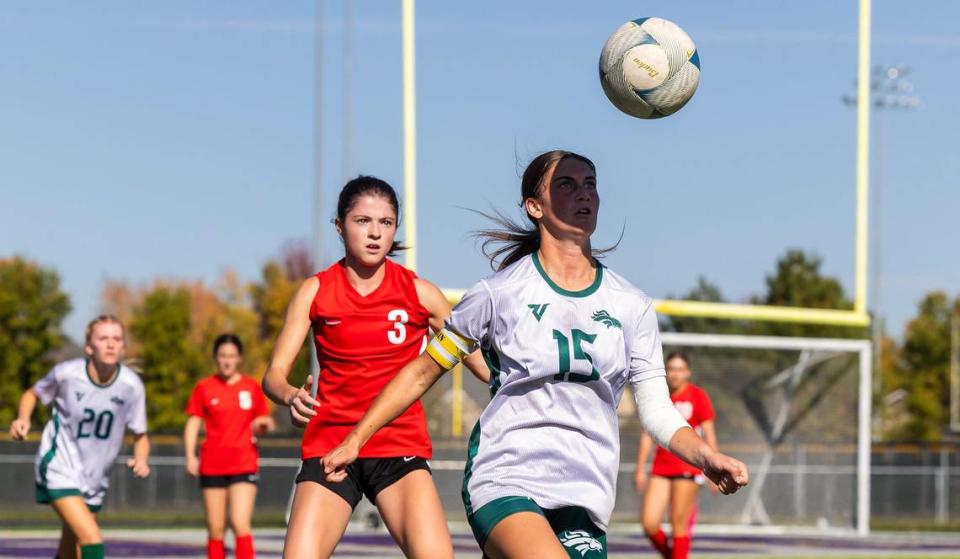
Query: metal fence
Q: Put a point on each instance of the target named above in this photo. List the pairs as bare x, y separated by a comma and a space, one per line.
808, 485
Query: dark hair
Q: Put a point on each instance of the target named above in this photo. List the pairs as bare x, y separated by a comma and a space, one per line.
369, 186
677, 355
512, 240
227, 339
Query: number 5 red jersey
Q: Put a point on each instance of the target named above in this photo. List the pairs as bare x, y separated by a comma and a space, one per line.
362, 342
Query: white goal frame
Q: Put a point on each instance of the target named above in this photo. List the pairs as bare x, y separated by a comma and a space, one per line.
864, 392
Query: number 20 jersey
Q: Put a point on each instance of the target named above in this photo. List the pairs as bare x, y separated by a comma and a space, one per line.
362, 342
80, 443
559, 362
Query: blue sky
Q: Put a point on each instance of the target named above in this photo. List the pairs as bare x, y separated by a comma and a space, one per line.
175, 139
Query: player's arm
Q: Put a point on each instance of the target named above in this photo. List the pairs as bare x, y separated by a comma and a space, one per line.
140, 463
660, 418
434, 301
445, 350
710, 433
643, 453
296, 325
191, 432
20, 427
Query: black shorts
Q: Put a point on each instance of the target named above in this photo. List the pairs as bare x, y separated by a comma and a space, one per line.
366, 476
207, 482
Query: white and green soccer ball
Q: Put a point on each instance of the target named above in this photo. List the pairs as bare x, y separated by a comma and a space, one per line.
649, 68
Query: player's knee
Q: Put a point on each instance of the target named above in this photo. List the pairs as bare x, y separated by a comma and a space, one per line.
90, 536
240, 526
679, 523
216, 529
650, 525
429, 549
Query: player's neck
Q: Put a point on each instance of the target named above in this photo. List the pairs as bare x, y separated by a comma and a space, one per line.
680, 389
570, 265
232, 378
101, 373
364, 279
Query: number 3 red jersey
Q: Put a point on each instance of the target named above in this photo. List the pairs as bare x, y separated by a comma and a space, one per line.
362, 342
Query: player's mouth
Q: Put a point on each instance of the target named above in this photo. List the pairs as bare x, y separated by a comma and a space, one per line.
373, 247
584, 211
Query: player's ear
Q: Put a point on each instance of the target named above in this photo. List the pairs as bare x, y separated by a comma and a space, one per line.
533, 207
338, 225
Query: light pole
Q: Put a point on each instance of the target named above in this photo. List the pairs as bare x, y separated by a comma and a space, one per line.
889, 90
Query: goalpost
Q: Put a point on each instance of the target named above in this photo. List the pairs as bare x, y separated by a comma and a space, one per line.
773, 394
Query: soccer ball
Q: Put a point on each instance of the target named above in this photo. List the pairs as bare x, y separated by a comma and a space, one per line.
649, 68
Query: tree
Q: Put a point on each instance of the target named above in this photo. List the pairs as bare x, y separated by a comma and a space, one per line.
170, 360
707, 292
32, 307
923, 369
798, 282
270, 299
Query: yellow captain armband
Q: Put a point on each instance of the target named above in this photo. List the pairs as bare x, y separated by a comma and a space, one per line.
448, 348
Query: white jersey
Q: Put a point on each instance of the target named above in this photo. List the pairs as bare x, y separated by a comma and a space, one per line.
82, 440
559, 362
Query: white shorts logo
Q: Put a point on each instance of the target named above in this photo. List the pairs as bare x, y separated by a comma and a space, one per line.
246, 399
581, 540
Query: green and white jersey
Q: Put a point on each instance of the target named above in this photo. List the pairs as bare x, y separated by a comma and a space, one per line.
559, 363
81, 442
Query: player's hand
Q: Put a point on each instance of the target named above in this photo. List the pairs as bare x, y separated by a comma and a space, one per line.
192, 466
262, 425
140, 467
302, 405
729, 474
336, 461
19, 429
640, 481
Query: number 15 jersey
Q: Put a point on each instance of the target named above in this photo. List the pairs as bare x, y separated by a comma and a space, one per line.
559, 361
362, 342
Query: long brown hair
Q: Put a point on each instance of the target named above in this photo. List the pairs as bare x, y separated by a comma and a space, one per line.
511, 241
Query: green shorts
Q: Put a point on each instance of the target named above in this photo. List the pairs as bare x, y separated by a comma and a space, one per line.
45, 496
572, 525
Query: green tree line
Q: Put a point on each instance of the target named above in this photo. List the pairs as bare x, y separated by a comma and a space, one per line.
171, 326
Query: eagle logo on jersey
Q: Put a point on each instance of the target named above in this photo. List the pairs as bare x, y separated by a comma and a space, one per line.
117, 401
538, 310
604, 317
580, 540
79, 395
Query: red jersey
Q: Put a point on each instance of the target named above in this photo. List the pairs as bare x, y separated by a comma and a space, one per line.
362, 342
227, 411
694, 405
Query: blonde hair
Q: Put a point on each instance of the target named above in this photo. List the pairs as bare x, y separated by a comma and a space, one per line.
104, 319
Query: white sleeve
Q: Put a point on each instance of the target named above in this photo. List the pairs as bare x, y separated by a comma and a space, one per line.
137, 412
658, 416
46, 388
646, 353
473, 316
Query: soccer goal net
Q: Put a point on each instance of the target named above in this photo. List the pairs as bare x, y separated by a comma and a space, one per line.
796, 410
